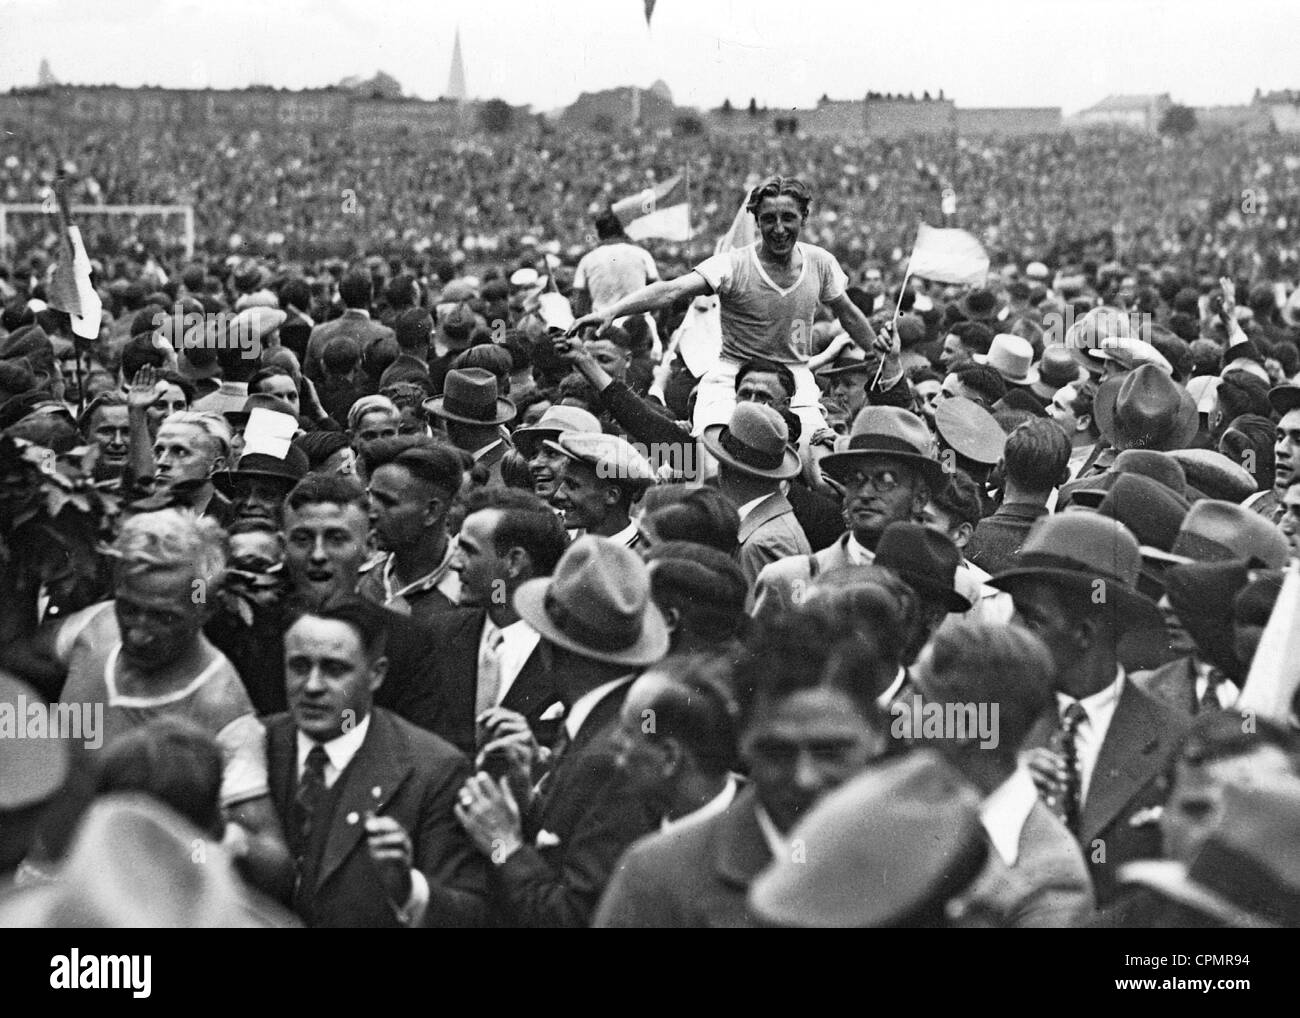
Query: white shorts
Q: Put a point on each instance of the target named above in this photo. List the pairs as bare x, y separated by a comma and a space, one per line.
715, 398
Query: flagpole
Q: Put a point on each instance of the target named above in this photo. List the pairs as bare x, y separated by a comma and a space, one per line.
689, 232
893, 326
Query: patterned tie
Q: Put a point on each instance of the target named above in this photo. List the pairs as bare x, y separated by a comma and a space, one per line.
489, 670
1068, 807
310, 797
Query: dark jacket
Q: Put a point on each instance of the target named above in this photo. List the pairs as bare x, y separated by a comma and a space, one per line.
997, 540
401, 772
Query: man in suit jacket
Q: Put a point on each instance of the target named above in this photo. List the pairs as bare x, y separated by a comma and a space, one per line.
1035, 874
357, 293
754, 458
491, 663
697, 873
366, 798
554, 847
888, 472
1100, 761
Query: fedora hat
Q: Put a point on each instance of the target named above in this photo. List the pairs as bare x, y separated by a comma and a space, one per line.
969, 430
1075, 550
1284, 398
1215, 475
1201, 593
556, 420
1012, 357
1153, 513
889, 842
1159, 466
851, 360
597, 604
132, 865
925, 560
887, 431
755, 442
980, 305
1096, 330
469, 396
1217, 531
613, 458
1145, 409
260, 466
1247, 873
1057, 368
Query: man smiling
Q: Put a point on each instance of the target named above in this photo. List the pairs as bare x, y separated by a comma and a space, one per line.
768, 295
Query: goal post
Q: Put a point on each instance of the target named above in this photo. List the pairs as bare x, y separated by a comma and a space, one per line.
185, 211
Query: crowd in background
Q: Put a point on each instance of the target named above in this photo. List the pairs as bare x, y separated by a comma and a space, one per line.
420, 603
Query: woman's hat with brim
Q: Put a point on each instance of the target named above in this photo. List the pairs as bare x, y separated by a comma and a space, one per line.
469, 396
755, 441
887, 431
597, 605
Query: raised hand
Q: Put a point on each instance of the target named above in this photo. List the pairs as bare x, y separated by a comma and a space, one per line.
146, 389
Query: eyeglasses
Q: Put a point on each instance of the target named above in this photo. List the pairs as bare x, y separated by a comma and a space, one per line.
883, 481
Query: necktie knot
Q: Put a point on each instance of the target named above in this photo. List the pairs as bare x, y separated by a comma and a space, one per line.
317, 758
1073, 716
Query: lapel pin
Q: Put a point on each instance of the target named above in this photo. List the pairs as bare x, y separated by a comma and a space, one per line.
353, 817
376, 791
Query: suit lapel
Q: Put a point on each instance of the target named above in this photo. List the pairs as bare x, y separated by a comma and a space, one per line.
368, 785
532, 688
282, 766
1127, 761
742, 851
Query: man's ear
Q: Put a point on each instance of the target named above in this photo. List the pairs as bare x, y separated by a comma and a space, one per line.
612, 495
435, 509
673, 617
1083, 422
378, 672
518, 563
961, 537
674, 757
218, 465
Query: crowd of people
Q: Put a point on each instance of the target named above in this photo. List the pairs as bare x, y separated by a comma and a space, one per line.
419, 594
1208, 202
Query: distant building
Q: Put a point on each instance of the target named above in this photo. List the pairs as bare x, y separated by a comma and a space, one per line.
1139, 112
1282, 109
456, 90
617, 109
1252, 118
1007, 122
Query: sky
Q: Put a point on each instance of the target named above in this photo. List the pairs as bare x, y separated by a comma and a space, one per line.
1068, 53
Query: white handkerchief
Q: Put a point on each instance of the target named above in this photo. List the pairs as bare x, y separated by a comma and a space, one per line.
269, 432
545, 839
553, 713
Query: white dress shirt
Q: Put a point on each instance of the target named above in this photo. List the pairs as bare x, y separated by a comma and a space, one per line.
1005, 811
1225, 692
518, 641
1091, 733
339, 752
587, 702
859, 554
750, 506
